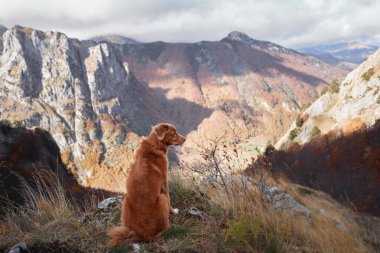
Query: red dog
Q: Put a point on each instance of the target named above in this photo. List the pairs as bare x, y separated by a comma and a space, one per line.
146, 207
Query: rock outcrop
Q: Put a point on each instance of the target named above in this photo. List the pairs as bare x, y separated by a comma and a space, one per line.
27, 155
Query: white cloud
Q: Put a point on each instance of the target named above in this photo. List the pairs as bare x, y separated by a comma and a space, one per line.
291, 23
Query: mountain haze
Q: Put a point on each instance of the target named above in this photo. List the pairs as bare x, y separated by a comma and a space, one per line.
353, 52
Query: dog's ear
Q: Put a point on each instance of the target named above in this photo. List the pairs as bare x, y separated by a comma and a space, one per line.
161, 130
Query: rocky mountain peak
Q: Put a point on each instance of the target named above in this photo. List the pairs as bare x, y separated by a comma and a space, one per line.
267, 46
114, 38
239, 36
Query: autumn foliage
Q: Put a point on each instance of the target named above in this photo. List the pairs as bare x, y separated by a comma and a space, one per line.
347, 166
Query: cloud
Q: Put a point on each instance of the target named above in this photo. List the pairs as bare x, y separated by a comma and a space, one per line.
291, 23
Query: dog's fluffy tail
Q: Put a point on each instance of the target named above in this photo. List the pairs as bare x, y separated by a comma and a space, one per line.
120, 234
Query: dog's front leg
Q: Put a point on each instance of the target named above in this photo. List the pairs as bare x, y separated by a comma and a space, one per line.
165, 190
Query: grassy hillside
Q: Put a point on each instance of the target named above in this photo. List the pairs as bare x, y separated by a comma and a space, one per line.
233, 218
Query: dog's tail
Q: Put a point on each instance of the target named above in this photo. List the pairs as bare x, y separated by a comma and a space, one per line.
120, 234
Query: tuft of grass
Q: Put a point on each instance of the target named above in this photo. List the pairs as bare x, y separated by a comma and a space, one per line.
250, 232
368, 74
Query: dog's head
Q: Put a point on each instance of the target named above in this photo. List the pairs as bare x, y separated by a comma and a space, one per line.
168, 134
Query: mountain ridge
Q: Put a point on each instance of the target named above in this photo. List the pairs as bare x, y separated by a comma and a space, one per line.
354, 52
98, 98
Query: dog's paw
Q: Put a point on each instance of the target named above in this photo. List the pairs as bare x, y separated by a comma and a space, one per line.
175, 211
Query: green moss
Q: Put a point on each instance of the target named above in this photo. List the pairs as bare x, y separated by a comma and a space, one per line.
304, 191
249, 232
175, 231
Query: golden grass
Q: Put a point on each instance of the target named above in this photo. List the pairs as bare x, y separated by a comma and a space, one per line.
49, 216
241, 222
252, 225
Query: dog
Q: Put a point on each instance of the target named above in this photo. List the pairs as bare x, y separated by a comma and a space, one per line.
146, 205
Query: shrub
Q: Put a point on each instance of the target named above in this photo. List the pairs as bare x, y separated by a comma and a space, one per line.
299, 121
293, 134
324, 90
315, 132
368, 74
334, 86
269, 149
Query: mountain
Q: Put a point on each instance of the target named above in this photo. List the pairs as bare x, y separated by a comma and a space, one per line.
334, 61
354, 104
353, 52
254, 87
334, 145
113, 38
80, 92
97, 99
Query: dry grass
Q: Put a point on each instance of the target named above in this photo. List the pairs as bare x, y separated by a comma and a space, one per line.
247, 223
49, 216
241, 222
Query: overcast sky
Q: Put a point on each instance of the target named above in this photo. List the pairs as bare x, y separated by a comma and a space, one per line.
291, 23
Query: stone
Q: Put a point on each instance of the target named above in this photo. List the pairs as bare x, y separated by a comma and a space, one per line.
109, 202
337, 222
282, 200
19, 248
196, 212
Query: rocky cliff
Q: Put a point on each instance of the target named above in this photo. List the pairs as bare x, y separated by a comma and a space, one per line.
72, 89
96, 98
354, 104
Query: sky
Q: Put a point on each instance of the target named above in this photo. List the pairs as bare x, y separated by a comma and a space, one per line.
291, 23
